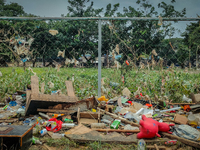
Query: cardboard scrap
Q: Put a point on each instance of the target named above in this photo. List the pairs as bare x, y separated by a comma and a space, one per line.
180, 119
126, 92
195, 98
81, 133
80, 129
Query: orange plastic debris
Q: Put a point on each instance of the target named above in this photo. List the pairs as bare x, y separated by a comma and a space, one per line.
102, 98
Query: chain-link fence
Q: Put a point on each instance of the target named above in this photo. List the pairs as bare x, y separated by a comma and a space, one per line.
124, 43
143, 42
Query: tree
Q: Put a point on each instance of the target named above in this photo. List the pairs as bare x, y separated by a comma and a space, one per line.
11, 10
81, 36
8, 29
191, 40
45, 45
141, 37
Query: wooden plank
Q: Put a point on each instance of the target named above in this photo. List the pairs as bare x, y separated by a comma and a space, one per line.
55, 111
153, 147
70, 89
53, 98
156, 146
34, 85
116, 130
28, 95
87, 121
28, 99
120, 118
183, 140
21, 92
182, 103
78, 115
89, 115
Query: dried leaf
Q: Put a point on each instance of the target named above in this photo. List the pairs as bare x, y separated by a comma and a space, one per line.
62, 54
53, 32
117, 49
154, 52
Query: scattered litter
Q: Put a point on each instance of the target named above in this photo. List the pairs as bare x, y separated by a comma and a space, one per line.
53, 32
129, 127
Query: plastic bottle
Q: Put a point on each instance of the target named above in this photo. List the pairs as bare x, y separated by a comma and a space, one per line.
192, 120
35, 131
175, 108
43, 132
98, 125
57, 135
106, 121
129, 127
115, 124
68, 125
57, 115
36, 141
21, 111
141, 145
44, 115
66, 120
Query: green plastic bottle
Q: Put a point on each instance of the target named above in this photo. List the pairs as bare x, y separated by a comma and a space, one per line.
115, 124
68, 120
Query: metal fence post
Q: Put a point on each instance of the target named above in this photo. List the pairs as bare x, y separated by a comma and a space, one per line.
99, 58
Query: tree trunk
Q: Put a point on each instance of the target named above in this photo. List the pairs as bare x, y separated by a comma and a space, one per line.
34, 63
43, 61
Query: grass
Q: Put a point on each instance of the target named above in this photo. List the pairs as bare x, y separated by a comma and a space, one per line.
67, 144
171, 84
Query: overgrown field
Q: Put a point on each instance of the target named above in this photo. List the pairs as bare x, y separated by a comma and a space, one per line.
171, 84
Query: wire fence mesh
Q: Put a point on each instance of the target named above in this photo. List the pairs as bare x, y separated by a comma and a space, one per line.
126, 45
75, 43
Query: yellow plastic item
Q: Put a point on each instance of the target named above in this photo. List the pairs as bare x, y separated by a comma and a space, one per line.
102, 98
57, 115
94, 110
193, 124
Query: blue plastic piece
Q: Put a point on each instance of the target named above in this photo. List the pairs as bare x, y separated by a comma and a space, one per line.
12, 103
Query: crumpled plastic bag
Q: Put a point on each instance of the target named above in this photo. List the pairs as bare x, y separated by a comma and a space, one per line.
129, 127
57, 127
19, 100
187, 132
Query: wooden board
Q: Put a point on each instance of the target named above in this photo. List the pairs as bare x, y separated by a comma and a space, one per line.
87, 121
159, 147
53, 98
43, 101
70, 89
55, 111
117, 130
28, 95
183, 140
34, 85
89, 115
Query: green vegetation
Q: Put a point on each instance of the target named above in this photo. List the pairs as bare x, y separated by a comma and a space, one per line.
172, 84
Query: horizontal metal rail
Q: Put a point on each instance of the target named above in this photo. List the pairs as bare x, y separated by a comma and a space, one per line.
100, 18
